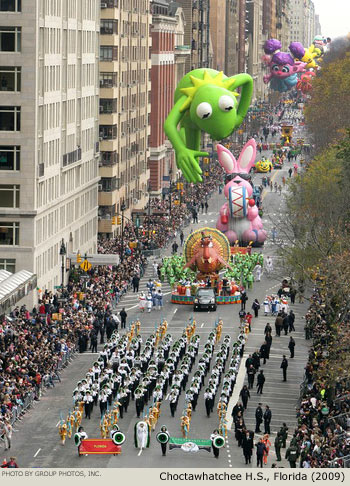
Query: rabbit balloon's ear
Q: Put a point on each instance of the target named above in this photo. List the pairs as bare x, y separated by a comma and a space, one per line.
247, 157
226, 159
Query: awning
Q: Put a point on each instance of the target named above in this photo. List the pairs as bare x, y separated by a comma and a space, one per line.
4, 274
15, 287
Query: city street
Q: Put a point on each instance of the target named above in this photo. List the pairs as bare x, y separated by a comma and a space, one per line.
36, 440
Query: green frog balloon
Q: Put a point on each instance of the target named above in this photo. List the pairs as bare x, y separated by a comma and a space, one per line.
205, 101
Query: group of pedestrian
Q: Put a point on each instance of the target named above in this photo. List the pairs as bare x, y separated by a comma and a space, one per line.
153, 299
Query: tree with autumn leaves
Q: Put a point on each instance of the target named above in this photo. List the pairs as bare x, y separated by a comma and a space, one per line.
327, 112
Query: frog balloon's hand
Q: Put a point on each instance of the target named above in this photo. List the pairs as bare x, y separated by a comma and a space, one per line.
186, 160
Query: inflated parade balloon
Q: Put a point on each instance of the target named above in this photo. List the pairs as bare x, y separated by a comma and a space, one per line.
205, 101
283, 67
305, 55
305, 82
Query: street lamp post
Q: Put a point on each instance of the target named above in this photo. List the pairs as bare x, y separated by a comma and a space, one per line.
122, 208
63, 253
149, 209
170, 174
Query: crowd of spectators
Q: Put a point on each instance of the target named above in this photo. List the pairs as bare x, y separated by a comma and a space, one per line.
34, 343
322, 438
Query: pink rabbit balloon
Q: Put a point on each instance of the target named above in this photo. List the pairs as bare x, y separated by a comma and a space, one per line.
239, 217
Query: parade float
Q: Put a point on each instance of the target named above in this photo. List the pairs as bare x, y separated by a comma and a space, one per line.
206, 263
263, 165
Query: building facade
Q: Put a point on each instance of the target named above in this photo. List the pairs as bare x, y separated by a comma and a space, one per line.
197, 33
218, 37
124, 106
231, 37
303, 17
255, 38
163, 78
48, 134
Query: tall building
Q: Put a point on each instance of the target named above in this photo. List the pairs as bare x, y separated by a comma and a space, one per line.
318, 28
302, 27
125, 85
242, 36
197, 34
163, 78
255, 40
231, 37
269, 19
48, 134
283, 21
218, 24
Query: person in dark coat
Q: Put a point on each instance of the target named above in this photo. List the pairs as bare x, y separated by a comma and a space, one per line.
239, 430
81, 343
284, 366
251, 374
268, 340
264, 352
291, 319
256, 360
258, 417
285, 324
267, 420
278, 324
260, 449
244, 298
284, 434
278, 445
93, 341
256, 307
123, 316
245, 395
249, 362
268, 329
291, 346
236, 409
247, 445
292, 293
135, 283
260, 383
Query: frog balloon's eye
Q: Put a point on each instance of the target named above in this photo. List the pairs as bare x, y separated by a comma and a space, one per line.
226, 103
204, 110
285, 69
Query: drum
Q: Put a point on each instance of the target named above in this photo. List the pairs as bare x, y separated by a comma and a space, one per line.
238, 202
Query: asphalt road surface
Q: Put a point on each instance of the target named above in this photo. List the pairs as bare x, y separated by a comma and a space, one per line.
36, 441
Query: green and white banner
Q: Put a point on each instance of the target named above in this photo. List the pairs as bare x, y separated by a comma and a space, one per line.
189, 445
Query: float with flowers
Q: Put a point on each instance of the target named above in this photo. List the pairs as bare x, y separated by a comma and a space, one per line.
208, 261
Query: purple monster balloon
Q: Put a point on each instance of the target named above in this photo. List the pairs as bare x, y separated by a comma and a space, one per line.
283, 66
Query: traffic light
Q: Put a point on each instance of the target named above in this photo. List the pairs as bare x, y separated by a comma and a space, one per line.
119, 220
113, 220
78, 258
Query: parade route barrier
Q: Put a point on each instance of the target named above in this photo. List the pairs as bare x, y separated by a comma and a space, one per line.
99, 446
220, 299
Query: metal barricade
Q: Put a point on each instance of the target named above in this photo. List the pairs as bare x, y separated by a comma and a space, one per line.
343, 462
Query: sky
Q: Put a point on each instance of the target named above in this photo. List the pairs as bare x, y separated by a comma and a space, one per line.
334, 17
